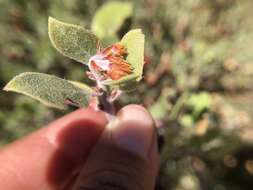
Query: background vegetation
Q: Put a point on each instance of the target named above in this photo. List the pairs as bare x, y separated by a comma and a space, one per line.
197, 82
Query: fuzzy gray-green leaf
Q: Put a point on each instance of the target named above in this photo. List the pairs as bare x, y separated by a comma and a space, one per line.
48, 89
71, 40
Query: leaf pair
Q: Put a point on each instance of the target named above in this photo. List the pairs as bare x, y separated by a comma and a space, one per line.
79, 44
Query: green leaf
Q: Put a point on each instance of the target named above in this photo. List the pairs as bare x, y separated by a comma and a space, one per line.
50, 90
134, 43
82, 86
109, 18
72, 41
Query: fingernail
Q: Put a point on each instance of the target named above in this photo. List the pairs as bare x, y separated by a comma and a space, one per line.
133, 130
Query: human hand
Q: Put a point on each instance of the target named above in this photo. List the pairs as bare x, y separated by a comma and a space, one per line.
79, 152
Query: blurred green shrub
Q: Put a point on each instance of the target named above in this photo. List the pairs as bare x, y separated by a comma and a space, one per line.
197, 81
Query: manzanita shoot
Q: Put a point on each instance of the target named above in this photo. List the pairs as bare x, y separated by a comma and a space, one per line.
115, 69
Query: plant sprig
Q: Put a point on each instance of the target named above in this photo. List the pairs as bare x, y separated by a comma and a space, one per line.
115, 69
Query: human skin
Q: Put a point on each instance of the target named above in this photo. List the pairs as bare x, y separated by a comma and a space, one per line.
81, 151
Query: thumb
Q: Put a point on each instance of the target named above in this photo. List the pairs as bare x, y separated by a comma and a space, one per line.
126, 155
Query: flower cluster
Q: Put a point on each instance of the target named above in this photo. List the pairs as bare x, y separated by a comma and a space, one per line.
109, 64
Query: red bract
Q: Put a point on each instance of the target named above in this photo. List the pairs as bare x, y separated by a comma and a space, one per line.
109, 64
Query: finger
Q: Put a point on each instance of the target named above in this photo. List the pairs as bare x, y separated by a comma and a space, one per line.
125, 157
48, 158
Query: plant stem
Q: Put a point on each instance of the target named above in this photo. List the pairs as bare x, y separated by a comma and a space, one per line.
105, 105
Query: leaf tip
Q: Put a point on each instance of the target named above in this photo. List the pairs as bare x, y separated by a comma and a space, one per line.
51, 20
51, 23
5, 88
8, 86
